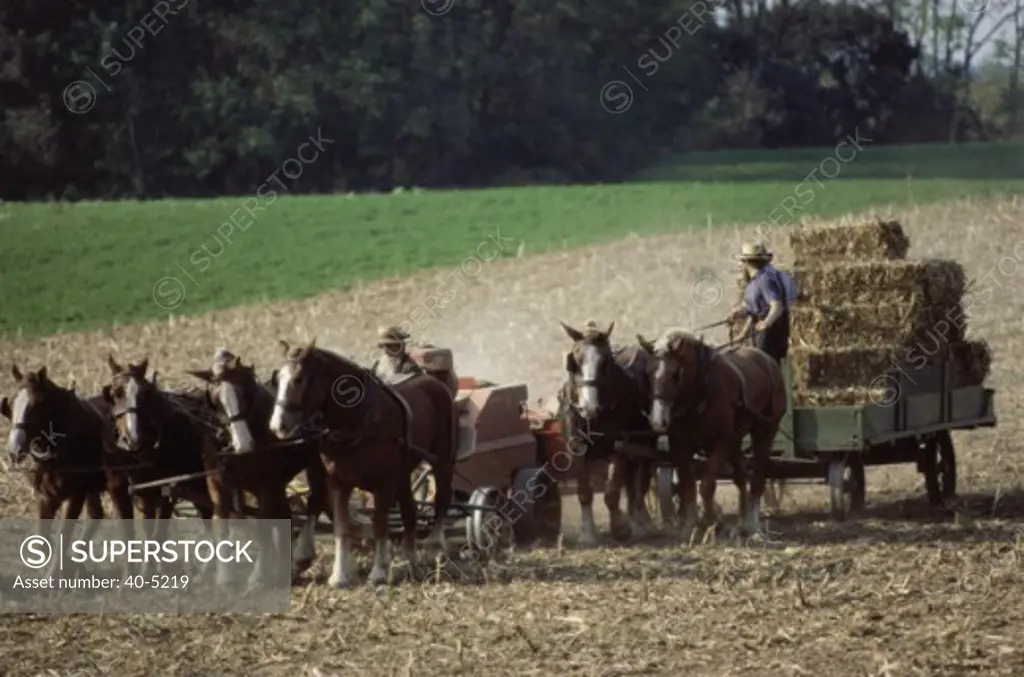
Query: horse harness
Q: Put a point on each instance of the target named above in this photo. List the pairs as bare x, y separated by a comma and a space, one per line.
699, 404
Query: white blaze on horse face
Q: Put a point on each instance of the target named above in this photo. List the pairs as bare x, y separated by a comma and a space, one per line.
18, 438
131, 401
240, 437
588, 370
278, 420
660, 408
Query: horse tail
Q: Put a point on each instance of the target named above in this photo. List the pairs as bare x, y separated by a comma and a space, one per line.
445, 446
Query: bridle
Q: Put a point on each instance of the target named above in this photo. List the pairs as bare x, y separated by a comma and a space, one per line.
700, 401
120, 412
366, 407
63, 399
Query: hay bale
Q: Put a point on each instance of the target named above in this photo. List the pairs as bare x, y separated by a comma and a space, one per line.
899, 324
842, 367
858, 241
932, 282
857, 367
972, 362
838, 397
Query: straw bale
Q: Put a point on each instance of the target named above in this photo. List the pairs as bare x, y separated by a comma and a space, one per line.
972, 361
933, 281
900, 324
836, 397
858, 241
854, 367
842, 367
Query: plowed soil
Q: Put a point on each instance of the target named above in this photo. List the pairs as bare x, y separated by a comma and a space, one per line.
904, 590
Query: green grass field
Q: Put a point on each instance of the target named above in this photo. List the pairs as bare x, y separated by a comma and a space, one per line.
84, 265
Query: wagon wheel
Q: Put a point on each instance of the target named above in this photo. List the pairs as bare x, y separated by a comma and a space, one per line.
424, 485
939, 468
487, 530
537, 505
846, 487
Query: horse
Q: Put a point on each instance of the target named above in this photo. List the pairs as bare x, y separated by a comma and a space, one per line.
244, 406
70, 468
606, 394
168, 435
710, 399
374, 435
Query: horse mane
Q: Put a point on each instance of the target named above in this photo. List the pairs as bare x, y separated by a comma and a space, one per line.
672, 338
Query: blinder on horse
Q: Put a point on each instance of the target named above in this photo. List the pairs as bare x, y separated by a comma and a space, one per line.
299, 406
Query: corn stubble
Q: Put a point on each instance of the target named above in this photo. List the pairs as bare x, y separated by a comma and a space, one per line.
814, 600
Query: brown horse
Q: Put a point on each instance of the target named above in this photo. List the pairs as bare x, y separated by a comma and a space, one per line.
710, 400
244, 406
68, 439
373, 438
158, 430
607, 394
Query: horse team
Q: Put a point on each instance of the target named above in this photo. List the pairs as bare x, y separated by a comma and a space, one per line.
134, 436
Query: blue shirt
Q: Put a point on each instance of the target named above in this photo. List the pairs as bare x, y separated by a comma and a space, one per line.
765, 286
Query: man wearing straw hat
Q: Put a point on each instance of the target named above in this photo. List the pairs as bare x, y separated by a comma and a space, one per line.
395, 360
766, 300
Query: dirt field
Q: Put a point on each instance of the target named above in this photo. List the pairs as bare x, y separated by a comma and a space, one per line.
903, 591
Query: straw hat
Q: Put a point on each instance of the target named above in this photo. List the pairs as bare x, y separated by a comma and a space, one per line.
755, 251
391, 336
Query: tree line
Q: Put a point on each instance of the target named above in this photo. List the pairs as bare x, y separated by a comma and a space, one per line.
180, 98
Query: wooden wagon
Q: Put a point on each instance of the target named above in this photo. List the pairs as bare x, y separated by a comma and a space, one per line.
499, 471
834, 444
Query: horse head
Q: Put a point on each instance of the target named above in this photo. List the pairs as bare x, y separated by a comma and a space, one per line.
234, 394
133, 399
38, 407
589, 363
674, 368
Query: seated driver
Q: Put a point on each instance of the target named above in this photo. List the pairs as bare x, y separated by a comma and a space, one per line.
396, 359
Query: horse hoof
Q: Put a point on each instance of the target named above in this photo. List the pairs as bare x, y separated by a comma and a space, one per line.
378, 577
339, 583
302, 565
588, 540
621, 532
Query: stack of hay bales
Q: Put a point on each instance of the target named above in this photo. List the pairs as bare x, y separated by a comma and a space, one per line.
864, 308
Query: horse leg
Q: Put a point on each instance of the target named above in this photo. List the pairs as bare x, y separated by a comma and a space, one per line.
709, 483
382, 502
682, 453
341, 519
223, 503
94, 509
445, 451
305, 551
117, 489
739, 478
442, 501
588, 531
72, 511
407, 507
47, 505
272, 504
762, 439
620, 524
641, 486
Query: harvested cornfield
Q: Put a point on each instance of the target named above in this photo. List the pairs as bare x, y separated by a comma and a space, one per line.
865, 366
850, 241
934, 282
899, 324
